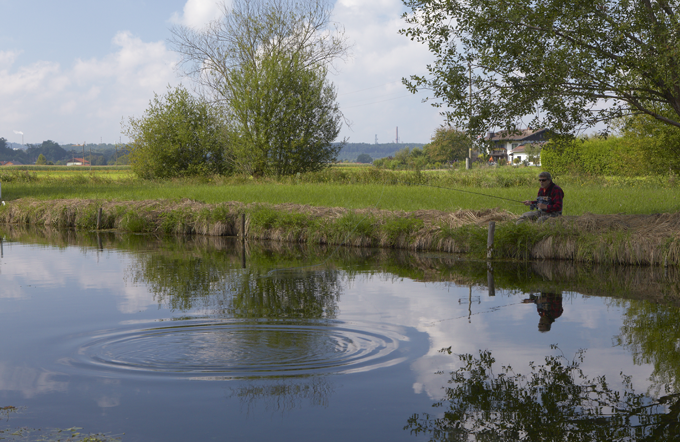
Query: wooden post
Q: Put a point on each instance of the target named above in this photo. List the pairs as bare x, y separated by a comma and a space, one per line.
489, 240
467, 164
99, 242
99, 218
243, 240
489, 279
2, 252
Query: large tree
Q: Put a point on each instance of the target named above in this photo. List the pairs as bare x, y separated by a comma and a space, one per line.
448, 144
266, 64
566, 64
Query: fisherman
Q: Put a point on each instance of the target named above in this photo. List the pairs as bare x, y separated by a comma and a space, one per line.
548, 202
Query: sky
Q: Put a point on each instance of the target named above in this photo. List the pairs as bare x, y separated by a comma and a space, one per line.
72, 71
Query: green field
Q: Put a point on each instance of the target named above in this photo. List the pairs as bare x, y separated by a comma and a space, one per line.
354, 188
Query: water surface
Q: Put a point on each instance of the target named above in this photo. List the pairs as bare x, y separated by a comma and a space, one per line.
178, 339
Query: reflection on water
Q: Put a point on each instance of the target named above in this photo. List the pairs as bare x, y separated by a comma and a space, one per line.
651, 332
341, 334
556, 401
214, 350
549, 308
284, 395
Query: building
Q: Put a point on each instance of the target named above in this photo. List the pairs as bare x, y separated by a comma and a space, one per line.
507, 145
78, 162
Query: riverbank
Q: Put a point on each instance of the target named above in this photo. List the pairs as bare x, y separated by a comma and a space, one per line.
608, 239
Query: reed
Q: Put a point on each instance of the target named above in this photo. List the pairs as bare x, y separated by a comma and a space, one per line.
614, 239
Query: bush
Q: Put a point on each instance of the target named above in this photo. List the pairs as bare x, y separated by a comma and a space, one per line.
179, 135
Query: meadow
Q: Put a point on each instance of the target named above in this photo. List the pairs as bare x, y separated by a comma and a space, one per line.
354, 187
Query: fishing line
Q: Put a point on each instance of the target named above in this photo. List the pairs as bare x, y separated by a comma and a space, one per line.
338, 246
491, 310
460, 190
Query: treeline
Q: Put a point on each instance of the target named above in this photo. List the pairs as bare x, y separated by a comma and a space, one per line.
51, 153
351, 151
448, 146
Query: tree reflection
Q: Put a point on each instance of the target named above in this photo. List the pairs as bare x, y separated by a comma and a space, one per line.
555, 402
651, 332
213, 280
285, 395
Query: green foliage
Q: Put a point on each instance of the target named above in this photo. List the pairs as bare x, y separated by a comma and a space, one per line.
556, 57
284, 117
179, 135
41, 161
613, 156
448, 145
364, 158
655, 143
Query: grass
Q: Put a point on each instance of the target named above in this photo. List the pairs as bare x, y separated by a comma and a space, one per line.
354, 188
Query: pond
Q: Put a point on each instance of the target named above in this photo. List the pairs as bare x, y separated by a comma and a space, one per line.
139, 338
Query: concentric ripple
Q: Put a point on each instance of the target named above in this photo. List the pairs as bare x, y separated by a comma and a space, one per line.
229, 350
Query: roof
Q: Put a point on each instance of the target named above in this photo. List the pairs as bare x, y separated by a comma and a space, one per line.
522, 148
516, 135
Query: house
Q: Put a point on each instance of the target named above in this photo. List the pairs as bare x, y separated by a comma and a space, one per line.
78, 162
504, 144
11, 163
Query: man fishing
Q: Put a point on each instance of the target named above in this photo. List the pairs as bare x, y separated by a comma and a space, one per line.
548, 202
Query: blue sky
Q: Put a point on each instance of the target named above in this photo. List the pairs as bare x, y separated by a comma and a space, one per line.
70, 71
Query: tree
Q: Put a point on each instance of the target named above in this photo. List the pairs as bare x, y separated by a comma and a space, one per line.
51, 150
178, 135
364, 158
266, 63
448, 144
41, 161
533, 152
570, 63
283, 117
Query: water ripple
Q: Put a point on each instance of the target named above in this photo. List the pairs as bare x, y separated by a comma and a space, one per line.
236, 350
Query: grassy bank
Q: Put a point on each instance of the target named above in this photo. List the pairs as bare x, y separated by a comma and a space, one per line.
358, 188
613, 239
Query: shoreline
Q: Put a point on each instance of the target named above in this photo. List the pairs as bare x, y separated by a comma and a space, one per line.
607, 239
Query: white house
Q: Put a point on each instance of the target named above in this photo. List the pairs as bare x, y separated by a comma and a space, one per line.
508, 145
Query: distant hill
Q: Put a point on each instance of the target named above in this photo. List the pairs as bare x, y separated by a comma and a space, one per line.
352, 150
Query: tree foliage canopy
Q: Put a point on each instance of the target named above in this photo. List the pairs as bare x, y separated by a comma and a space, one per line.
178, 135
448, 144
570, 63
266, 63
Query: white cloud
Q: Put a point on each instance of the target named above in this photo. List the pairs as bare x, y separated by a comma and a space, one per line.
7, 58
89, 100
198, 13
370, 89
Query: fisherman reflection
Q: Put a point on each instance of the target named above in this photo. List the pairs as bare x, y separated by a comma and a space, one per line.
549, 307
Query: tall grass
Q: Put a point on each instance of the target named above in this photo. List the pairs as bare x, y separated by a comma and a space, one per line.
359, 188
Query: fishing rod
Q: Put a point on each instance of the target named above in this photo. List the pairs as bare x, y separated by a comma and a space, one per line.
466, 191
